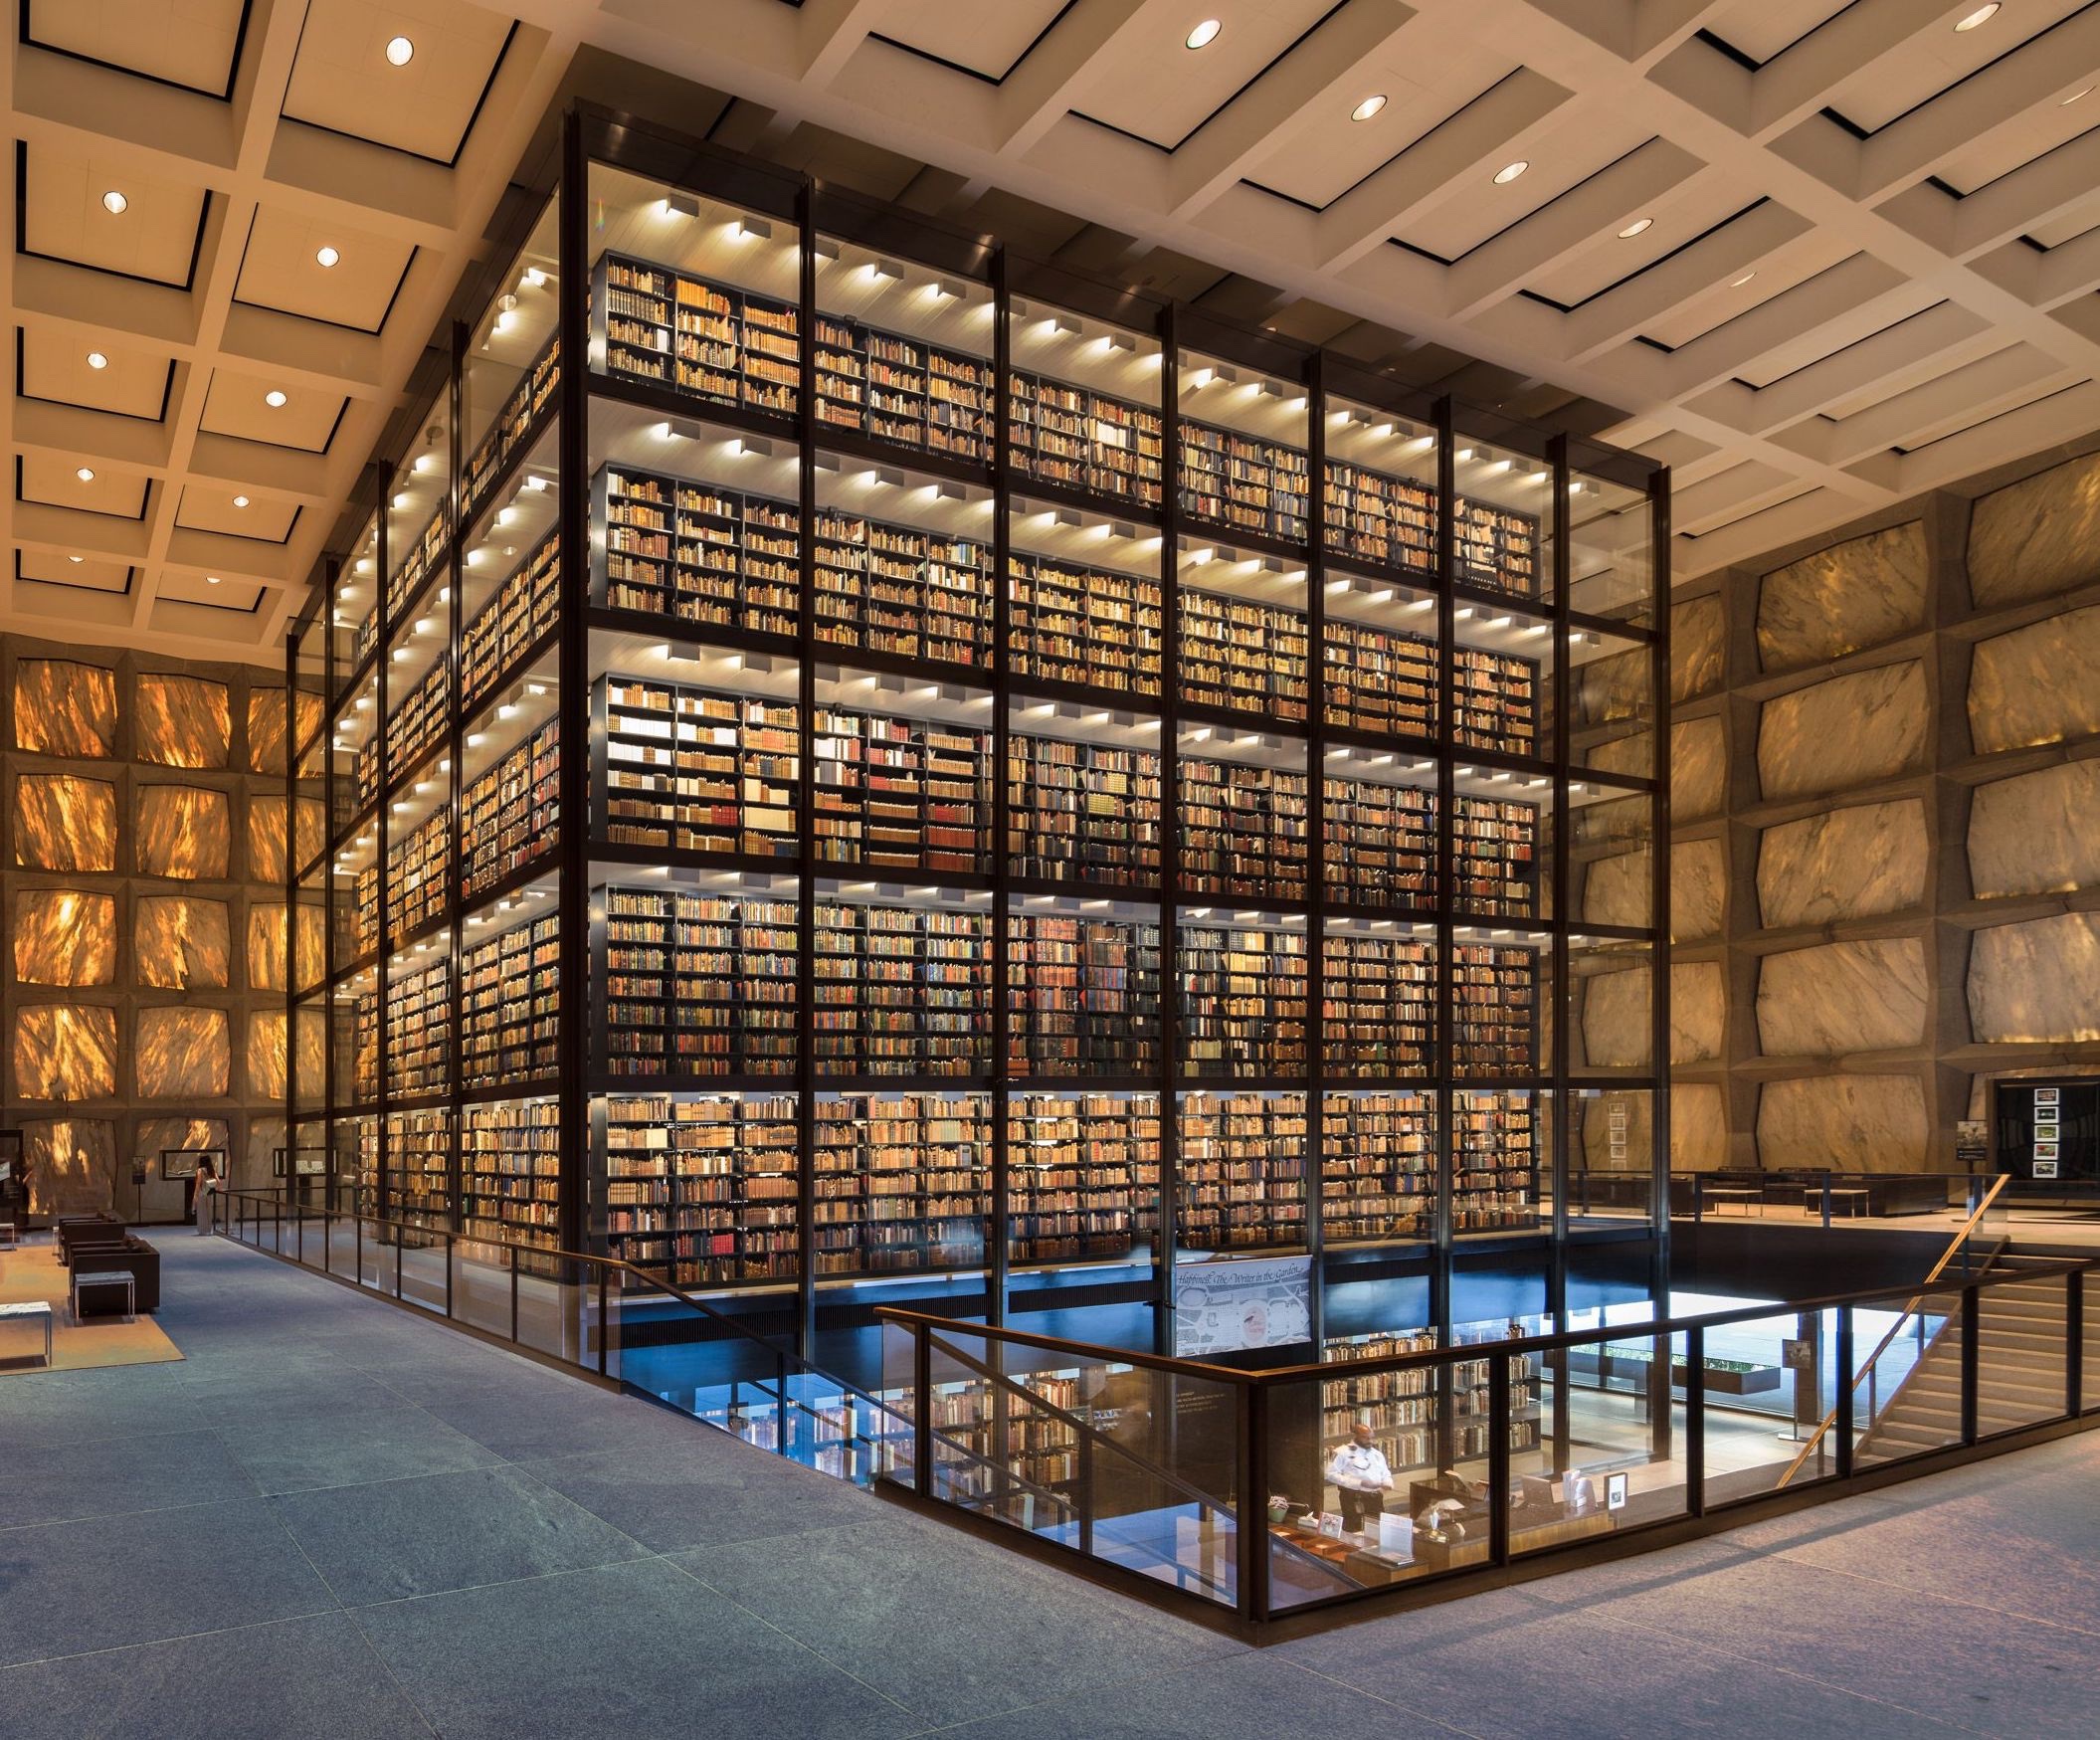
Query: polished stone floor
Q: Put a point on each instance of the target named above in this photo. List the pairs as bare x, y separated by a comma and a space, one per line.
334, 1520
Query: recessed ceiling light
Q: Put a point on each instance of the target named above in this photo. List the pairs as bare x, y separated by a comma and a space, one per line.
85, 474
1510, 171
95, 360
115, 203
1982, 15
76, 558
1735, 283
240, 500
400, 51
211, 579
1365, 110
1635, 228
275, 398
2087, 91
1204, 34
327, 256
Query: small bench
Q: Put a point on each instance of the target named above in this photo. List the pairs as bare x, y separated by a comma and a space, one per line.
1852, 1197
106, 1278
31, 1312
1746, 1199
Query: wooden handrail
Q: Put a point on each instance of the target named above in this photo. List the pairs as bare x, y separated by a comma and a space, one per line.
1910, 1307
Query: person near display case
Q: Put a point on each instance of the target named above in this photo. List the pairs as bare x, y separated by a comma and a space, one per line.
1360, 1475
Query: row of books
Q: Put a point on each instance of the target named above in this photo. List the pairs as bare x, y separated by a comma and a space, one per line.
724, 345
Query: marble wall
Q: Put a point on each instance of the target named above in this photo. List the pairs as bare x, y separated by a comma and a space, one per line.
1852, 863
1854, 593
1852, 1123
1841, 997
142, 935
1846, 731
2037, 982
2037, 537
1698, 768
1698, 890
2036, 684
2036, 833
1698, 1127
1697, 644
1699, 1010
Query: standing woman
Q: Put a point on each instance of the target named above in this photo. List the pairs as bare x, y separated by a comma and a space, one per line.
207, 1190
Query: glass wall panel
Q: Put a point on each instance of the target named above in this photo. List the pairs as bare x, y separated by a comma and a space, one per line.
1612, 557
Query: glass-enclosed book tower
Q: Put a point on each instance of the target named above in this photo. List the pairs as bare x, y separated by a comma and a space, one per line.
851, 755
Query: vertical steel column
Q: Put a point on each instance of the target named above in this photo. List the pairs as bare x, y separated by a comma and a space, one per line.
382, 844
1695, 1420
1442, 1050
1498, 1458
1972, 1329
455, 750
2074, 1343
1660, 900
1561, 829
805, 788
572, 690
1842, 1426
1316, 843
1170, 1022
998, 1232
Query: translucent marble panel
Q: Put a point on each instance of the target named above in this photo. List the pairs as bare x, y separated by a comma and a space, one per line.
65, 708
2035, 834
1854, 863
1613, 1031
65, 937
64, 1051
2036, 684
1696, 648
72, 1165
156, 1133
1870, 724
1698, 1006
184, 832
1842, 997
182, 1054
268, 746
1698, 1127
2038, 981
1856, 594
264, 1136
1851, 1123
182, 943
266, 835
1698, 768
1698, 890
1618, 889
182, 722
62, 823
266, 944
267, 1079
2036, 537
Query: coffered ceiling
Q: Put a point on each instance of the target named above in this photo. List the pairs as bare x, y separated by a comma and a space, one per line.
1817, 255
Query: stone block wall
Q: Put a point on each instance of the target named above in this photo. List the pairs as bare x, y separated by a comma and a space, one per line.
142, 826
1885, 870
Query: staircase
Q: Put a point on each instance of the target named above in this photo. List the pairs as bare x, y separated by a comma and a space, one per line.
2019, 1373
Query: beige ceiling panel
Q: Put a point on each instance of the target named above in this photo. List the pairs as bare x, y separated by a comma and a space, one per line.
343, 80
211, 591
64, 215
56, 483
93, 573
2036, 134
130, 382
1156, 86
987, 39
1581, 139
1929, 61
1697, 205
1791, 264
1761, 29
236, 513
179, 42
237, 405
282, 270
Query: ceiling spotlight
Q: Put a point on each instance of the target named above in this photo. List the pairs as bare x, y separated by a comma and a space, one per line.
240, 500
1510, 171
1738, 283
2084, 90
95, 360
85, 475
400, 51
327, 256
76, 558
1365, 110
211, 579
115, 203
1982, 15
1635, 228
275, 399
1204, 34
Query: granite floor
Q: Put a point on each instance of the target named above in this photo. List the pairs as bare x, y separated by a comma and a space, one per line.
334, 1520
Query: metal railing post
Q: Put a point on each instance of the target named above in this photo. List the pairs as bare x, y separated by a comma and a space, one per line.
602, 1355
1972, 1318
1827, 1202
451, 1250
1086, 1494
921, 1414
1498, 1455
357, 1240
1695, 1420
2074, 1343
780, 1395
1843, 1425
400, 1245
1255, 1592
513, 1291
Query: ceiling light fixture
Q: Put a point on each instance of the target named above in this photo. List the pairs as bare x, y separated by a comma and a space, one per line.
1510, 171
1204, 34
1635, 228
85, 475
1982, 15
275, 399
76, 558
240, 500
1738, 283
2085, 90
95, 360
1365, 110
211, 579
400, 51
327, 256
115, 203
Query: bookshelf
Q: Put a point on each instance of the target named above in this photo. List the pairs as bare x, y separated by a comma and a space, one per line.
705, 341
1417, 1425
962, 773
1243, 1170
1070, 435
1243, 481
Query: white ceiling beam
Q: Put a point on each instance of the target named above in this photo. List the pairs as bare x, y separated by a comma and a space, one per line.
827, 33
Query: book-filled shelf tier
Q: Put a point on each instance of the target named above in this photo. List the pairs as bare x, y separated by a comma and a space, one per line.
720, 558
1495, 1143
1243, 828
693, 770
1082, 1172
1070, 435
419, 1031
1082, 811
1083, 997
902, 990
1240, 655
1494, 1011
528, 401
1095, 628
902, 591
419, 1167
1377, 1167
1379, 1004
694, 985
728, 346
898, 389
1243, 1170
1419, 1422
901, 794
1242, 1000
1381, 849
510, 1170
903, 1182
1245, 482
510, 1006
512, 814
522, 613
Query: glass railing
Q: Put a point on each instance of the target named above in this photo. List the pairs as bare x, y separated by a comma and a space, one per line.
1277, 1493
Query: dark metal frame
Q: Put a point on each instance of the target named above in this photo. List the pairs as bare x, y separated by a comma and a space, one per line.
591, 134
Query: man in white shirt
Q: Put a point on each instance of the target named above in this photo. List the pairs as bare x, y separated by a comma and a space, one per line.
1359, 1472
